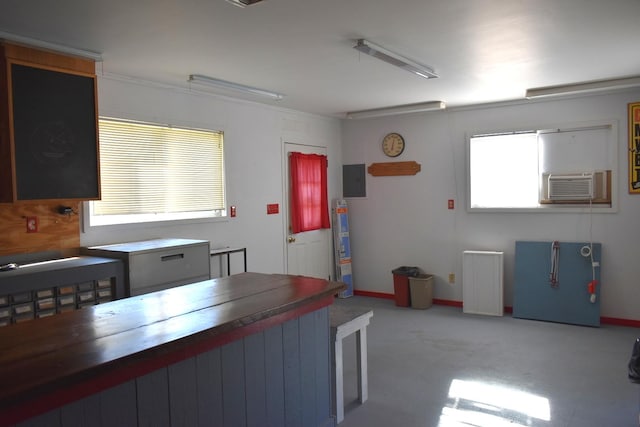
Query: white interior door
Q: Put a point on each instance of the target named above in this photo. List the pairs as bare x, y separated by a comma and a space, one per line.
308, 253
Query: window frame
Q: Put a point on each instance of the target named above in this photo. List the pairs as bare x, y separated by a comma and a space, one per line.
181, 218
551, 208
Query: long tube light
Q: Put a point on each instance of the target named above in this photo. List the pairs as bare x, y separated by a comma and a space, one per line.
586, 87
97, 57
392, 58
399, 109
223, 84
243, 3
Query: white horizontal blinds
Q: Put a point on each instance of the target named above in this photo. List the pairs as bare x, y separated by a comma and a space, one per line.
576, 150
151, 169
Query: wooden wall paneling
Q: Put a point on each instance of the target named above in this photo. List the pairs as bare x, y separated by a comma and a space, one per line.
209, 383
183, 393
153, 399
55, 231
323, 365
49, 419
255, 379
308, 369
118, 405
82, 412
292, 391
233, 380
274, 375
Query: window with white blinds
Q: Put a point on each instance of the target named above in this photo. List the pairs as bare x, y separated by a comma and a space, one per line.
512, 170
153, 172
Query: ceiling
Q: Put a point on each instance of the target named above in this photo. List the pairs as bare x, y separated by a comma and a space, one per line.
483, 50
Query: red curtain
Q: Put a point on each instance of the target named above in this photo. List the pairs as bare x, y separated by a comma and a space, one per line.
309, 203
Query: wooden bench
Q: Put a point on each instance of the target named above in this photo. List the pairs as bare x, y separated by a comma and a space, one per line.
345, 320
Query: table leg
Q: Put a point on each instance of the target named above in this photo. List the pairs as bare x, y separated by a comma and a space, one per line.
245, 259
361, 357
338, 385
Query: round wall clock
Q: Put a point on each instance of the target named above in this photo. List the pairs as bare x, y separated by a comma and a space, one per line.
393, 144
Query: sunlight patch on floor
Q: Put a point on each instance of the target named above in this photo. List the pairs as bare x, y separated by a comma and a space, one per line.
480, 404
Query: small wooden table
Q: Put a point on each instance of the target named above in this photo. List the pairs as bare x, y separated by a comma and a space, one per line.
228, 252
345, 320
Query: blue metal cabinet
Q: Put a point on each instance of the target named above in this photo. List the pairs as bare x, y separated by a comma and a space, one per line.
569, 300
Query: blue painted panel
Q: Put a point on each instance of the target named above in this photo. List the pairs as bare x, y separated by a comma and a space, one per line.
569, 302
153, 399
80, 413
292, 391
233, 389
255, 377
183, 393
308, 369
118, 405
323, 367
209, 383
49, 419
274, 365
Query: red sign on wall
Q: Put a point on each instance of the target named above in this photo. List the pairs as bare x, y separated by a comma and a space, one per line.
273, 208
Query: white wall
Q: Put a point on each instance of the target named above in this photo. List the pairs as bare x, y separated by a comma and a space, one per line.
254, 137
405, 220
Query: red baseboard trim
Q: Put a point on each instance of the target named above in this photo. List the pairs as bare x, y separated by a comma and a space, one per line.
451, 303
620, 322
373, 294
448, 302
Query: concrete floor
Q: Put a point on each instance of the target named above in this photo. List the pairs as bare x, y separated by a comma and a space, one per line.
439, 367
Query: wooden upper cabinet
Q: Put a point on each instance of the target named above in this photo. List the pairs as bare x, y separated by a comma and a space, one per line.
48, 126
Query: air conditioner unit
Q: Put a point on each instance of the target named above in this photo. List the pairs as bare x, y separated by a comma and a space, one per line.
571, 187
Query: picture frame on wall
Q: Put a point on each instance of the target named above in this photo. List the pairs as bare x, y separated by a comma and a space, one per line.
634, 148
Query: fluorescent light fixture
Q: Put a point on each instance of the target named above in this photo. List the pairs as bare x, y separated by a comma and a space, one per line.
243, 3
392, 58
399, 109
27, 41
223, 84
586, 87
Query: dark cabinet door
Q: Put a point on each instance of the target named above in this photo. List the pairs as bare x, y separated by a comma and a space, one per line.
55, 134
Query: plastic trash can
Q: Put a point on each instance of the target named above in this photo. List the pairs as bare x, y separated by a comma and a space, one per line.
421, 289
401, 284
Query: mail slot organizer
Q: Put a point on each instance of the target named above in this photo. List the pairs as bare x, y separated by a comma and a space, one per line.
40, 290
157, 264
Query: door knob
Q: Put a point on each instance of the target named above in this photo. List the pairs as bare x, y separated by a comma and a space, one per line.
291, 239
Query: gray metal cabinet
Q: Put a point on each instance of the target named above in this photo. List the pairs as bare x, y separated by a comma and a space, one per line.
153, 265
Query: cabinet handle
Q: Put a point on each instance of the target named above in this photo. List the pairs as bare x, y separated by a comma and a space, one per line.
170, 257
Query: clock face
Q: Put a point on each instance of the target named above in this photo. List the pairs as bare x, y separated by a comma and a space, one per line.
393, 144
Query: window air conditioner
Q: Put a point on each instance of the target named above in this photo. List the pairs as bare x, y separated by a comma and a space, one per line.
571, 187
